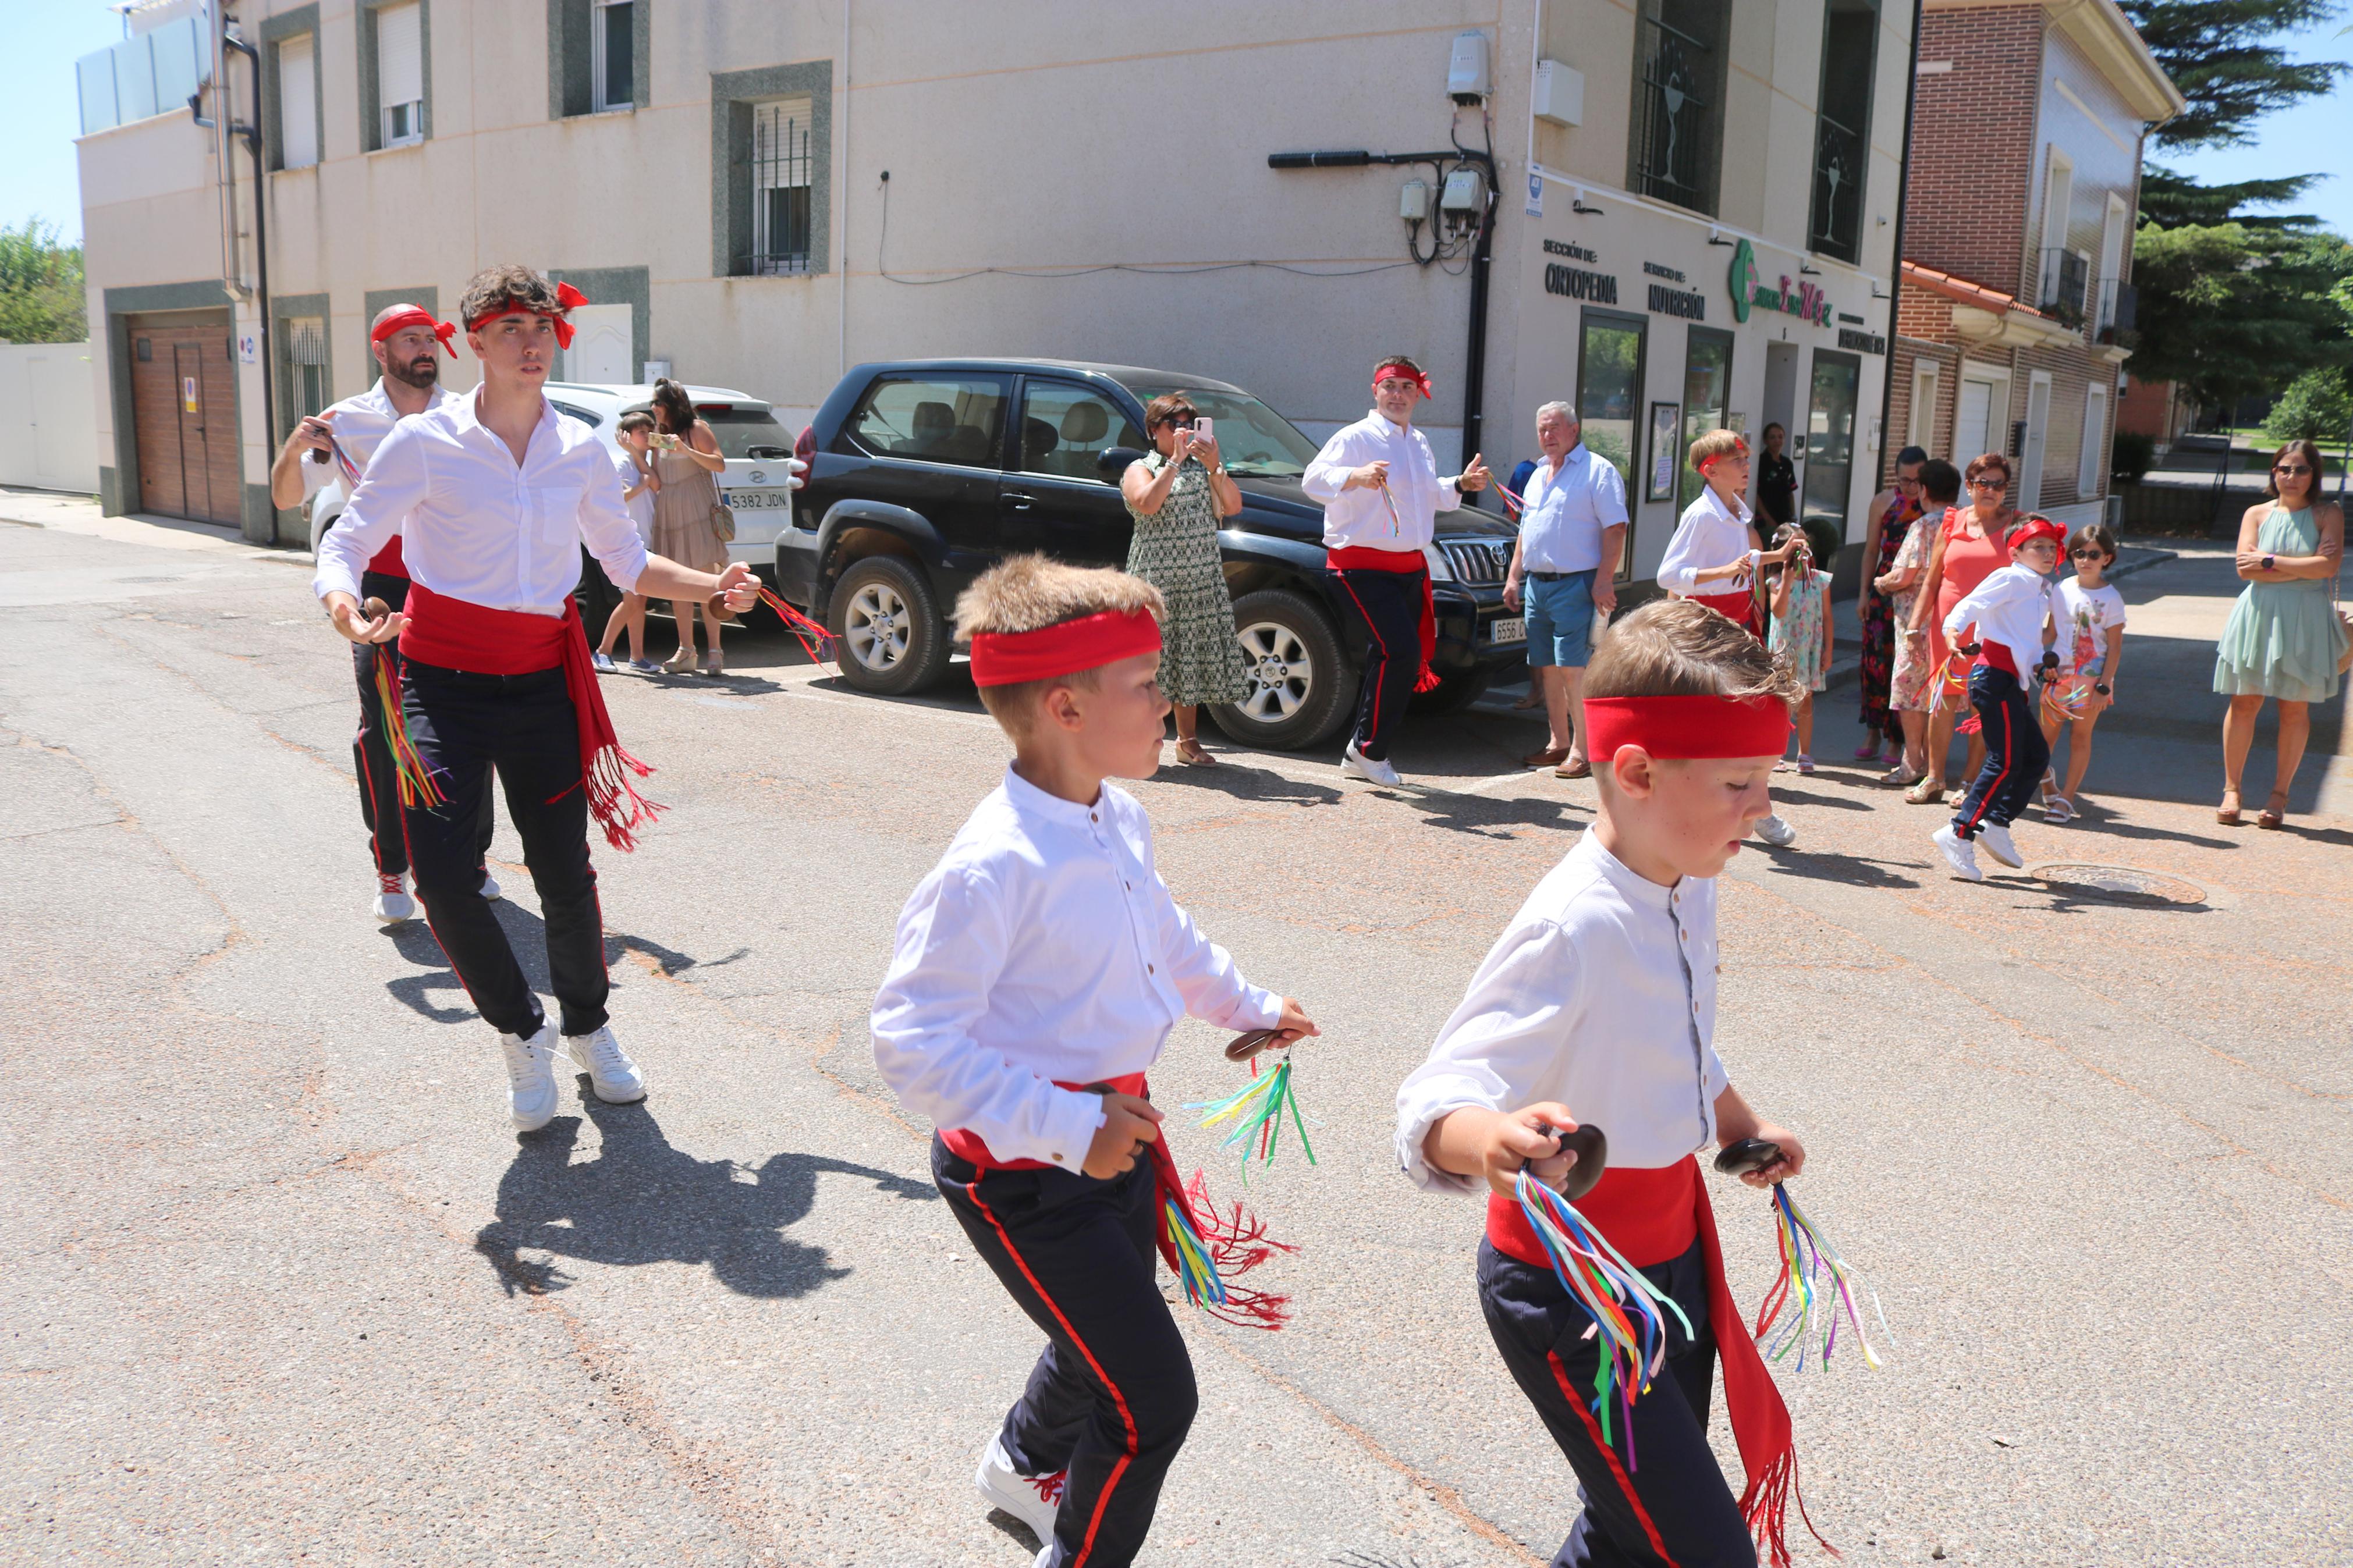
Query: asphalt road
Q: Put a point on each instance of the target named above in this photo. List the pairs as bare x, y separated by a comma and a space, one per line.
283, 1286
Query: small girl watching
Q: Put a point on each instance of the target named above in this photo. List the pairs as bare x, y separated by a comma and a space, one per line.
2088, 615
1801, 633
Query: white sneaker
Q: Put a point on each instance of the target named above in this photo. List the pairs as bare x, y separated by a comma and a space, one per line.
1995, 837
1354, 763
1959, 854
530, 1078
491, 888
1776, 833
1032, 1500
612, 1074
393, 904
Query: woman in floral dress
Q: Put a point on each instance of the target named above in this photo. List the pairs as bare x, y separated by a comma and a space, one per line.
1176, 495
1895, 509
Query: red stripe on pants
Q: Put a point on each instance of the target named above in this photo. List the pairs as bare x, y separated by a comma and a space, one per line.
1625, 1482
2009, 761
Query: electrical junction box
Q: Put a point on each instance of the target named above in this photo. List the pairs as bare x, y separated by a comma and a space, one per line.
1463, 195
1413, 202
1559, 93
1466, 69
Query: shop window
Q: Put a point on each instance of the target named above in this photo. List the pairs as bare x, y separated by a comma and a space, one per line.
1842, 126
1707, 392
1677, 143
1830, 439
1609, 399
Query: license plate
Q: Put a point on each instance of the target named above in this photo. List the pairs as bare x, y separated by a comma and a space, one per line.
1508, 628
758, 500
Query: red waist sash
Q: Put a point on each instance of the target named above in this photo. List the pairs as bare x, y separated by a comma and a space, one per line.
1653, 1217
967, 1144
1365, 558
1740, 608
1995, 655
388, 561
458, 634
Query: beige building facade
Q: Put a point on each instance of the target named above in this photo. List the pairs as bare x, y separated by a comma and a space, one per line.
1690, 203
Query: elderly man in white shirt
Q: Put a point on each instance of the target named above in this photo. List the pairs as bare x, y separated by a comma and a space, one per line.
1381, 495
1572, 535
494, 495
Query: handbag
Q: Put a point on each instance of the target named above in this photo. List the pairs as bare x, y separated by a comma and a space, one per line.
723, 521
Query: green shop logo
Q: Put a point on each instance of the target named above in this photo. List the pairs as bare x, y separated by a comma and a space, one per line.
1803, 299
1742, 281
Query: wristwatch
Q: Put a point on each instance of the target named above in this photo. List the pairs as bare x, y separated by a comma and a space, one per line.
2267, 561
2101, 687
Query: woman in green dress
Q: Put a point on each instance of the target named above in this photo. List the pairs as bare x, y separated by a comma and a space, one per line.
1176, 495
2283, 640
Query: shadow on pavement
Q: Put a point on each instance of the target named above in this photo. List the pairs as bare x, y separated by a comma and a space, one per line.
1827, 865
642, 1201
414, 941
1229, 777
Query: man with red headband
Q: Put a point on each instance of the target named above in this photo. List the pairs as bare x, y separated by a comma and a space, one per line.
1381, 495
1715, 557
1596, 1009
330, 449
1038, 971
493, 494
2010, 610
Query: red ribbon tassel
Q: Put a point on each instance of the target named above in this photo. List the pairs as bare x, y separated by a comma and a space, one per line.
1237, 1242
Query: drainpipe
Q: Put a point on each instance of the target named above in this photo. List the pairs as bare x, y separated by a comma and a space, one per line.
1895, 272
251, 135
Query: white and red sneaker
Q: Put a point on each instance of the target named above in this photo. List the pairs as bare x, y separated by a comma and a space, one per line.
393, 904
1032, 1500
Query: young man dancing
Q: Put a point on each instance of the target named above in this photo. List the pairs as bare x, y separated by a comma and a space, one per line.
408, 344
1381, 495
494, 494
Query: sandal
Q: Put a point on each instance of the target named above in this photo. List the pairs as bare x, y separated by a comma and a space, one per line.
2227, 814
680, 663
2274, 811
1927, 792
1575, 768
1191, 753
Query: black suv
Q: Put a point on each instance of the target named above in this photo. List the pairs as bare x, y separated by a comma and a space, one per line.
921, 477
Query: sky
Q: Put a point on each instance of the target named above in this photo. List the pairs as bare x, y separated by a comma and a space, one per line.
39, 117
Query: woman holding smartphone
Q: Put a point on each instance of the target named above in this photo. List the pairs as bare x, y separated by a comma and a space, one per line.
685, 456
1176, 497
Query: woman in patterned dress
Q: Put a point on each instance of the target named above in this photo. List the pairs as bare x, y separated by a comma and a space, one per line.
1896, 508
1176, 495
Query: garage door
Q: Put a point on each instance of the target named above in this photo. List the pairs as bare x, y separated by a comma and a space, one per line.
184, 408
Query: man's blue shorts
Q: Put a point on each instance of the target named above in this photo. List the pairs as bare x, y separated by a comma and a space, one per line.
1560, 619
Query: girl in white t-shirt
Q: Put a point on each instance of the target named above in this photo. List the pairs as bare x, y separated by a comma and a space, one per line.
2087, 616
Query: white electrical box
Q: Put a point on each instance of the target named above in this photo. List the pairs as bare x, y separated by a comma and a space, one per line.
1466, 69
1464, 193
1413, 202
1559, 93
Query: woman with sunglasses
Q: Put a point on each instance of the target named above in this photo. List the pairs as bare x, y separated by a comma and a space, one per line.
1896, 508
1971, 546
2284, 639
1177, 496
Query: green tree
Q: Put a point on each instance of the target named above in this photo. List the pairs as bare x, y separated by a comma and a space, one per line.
2232, 310
2222, 54
2316, 407
41, 298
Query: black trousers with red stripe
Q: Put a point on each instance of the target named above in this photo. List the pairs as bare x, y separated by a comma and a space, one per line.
462, 725
1111, 1395
1388, 608
1669, 1506
372, 755
2016, 753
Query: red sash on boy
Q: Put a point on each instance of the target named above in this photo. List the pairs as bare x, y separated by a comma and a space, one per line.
1365, 558
1738, 608
458, 634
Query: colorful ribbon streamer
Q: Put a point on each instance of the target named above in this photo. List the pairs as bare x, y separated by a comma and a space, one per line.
2065, 697
1951, 682
1207, 1255
1813, 1270
1255, 1114
410, 771
1623, 1305
815, 640
1396, 523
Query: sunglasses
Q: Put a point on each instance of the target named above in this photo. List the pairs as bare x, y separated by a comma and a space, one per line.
2293, 471
2089, 552
1989, 484
1187, 422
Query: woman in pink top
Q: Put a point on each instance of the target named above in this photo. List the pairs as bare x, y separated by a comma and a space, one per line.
1969, 548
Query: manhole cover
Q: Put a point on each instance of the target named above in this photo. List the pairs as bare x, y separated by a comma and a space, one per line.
2125, 884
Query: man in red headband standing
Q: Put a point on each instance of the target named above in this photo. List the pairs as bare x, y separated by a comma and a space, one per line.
408, 344
1381, 495
494, 494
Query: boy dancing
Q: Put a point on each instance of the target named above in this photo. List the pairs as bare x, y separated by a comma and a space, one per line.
1039, 970
2011, 608
1597, 1006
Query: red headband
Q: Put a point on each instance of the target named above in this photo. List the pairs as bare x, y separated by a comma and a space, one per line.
1739, 449
402, 320
1006, 658
1687, 726
2035, 528
567, 298
1400, 373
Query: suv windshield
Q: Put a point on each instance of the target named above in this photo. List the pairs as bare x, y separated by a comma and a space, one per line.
1256, 441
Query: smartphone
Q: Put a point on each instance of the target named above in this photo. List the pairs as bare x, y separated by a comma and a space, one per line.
1201, 431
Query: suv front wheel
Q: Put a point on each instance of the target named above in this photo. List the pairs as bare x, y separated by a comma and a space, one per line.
893, 641
1299, 686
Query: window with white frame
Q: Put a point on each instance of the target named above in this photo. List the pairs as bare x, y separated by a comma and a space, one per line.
613, 50
1921, 430
782, 181
2095, 430
399, 75
298, 102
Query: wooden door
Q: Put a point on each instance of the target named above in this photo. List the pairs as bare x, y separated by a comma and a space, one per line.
184, 409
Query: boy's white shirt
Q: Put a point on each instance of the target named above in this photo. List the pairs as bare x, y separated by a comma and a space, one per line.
1711, 533
2011, 607
1044, 948
1601, 995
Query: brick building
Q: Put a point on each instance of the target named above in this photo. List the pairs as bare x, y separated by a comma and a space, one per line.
2016, 311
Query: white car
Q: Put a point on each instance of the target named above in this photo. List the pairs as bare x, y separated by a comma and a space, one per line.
762, 472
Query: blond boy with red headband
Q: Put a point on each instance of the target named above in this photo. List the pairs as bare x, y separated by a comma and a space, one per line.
1715, 557
1039, 971
1597, 1007
493, 494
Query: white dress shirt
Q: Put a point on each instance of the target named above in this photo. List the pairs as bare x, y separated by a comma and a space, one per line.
478, 526
1042, 948
1600, 994
2008, 609
1710, 534
1567, 507
1361, 517
360, 424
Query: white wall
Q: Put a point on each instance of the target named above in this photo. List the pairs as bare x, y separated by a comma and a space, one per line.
47, 438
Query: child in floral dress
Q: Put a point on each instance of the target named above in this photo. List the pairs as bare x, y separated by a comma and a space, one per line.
1801, 633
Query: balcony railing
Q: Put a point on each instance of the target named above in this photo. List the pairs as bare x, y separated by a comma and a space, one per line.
147, 74
2066, 275
2118, 313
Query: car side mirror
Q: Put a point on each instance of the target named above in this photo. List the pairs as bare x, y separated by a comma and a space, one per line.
1113, 460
